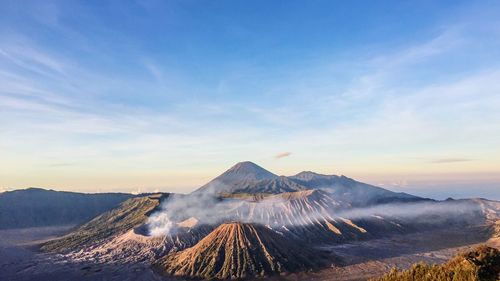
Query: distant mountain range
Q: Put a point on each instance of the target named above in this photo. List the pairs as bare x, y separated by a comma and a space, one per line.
40, 207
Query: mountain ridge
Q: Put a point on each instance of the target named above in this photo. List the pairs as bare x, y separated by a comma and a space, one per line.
248, 177
33, 207
242, 172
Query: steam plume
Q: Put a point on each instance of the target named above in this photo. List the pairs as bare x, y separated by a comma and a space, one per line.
285, 212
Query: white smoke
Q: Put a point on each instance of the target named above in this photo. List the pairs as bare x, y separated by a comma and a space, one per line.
159, 224
211, 210
413, 209
204, 206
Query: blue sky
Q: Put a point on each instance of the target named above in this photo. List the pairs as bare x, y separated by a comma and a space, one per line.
164, 95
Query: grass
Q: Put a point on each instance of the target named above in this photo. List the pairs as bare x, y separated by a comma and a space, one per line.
480, 264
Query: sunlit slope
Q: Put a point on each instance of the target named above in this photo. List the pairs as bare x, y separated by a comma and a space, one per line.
131, 213
238, 250
310, 215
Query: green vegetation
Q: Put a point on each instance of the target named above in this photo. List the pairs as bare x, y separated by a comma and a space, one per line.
481, 264
128, 215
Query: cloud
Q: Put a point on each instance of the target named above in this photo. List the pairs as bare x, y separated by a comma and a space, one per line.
367, 108
450, 160
282, 155
33, 60
137, 191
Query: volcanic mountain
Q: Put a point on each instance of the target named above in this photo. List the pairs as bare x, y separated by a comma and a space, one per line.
249, 178
238, 250
349, 190
120, 235
239, 178
249, 222
131, 213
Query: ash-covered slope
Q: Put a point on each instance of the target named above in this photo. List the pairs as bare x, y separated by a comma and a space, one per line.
119, 236
130, 214
270, 186
352, 191
239, 250
311, 216
491, 212
299, 208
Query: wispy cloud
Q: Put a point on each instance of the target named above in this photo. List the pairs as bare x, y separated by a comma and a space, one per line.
282, 155
32, 60
450, 160
126, 109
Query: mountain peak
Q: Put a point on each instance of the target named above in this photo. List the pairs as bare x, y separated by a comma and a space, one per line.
246, 171
245, 163
241, 174
307, 175
250, 168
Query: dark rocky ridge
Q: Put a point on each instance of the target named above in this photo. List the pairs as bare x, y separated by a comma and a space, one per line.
39, 207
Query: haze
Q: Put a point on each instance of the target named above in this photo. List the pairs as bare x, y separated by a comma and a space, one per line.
145, 96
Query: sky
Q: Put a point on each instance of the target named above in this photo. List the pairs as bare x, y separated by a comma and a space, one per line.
142, 96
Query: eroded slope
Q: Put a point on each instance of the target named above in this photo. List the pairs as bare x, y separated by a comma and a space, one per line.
238, 250
131, 213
